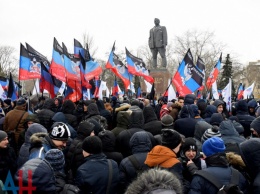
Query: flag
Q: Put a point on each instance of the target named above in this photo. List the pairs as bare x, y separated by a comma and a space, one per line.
148, 86
2, 93
82, 67
136, 66
46, 81
36, 88
215, 91
115, 89
131, 87
4, 82
138, 94
249, 90
57, 68
171, 92
118, 68
198, 94
92, 69
78, 48
214, 73
240, 91
71, 65
11, 93
187, 79
97, 84
201, 66
30, 66
226, 93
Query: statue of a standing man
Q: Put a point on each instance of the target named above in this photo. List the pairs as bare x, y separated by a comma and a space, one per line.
158, 42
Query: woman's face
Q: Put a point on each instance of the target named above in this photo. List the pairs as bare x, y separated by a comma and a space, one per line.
220, 108
190, 154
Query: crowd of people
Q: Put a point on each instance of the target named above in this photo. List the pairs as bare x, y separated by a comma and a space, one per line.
136, 146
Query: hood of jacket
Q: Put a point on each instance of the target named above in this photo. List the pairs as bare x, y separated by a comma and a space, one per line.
59, 117
149, 114
242, 106
48, 104
68, 107
250, 153
210, 110
108, 140
123, 119
93, 110
140, 142
136, 119
227, 128
34, 129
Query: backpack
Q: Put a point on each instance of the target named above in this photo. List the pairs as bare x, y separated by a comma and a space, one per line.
139, 169
231, 188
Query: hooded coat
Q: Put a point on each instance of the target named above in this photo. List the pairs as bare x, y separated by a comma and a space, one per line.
140, 144
123, 119
210, 110
243, 116
136, 124
151, 123
68, 108
45, 115
25, 149
250, 153
185, 125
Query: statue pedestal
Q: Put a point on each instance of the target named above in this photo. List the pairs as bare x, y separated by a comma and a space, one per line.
161, 77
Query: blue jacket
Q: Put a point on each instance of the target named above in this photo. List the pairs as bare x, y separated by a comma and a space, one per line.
92, 175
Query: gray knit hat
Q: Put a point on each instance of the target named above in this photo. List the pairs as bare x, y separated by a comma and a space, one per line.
3, 135
211, 132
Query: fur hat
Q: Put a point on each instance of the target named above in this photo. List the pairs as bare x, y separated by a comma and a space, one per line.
171, 138
189, 144
3, 135
92, 145
56, 159
211, 132
167, 120
59, 131
20, 102
212, 146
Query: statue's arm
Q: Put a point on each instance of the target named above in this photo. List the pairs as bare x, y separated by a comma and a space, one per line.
165, 38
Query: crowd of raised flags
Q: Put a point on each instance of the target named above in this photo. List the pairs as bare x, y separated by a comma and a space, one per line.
77, 75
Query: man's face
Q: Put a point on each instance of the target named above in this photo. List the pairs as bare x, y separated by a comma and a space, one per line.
156, 21
59, 144
190, 154
181, 101
4, 143
255, 134
56, 101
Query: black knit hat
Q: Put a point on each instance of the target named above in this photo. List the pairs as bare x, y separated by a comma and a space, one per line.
170, 138
189, 144
56, 159
59, 131
86, 127
92, 145
216, 119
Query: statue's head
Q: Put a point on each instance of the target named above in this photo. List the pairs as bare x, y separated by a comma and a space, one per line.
156, 21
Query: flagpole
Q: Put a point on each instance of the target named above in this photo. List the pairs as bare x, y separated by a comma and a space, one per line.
167, 89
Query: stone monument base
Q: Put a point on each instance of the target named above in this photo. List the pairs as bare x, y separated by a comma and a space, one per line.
161, 77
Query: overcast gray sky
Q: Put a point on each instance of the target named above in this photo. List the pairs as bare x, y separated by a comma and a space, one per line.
235, 23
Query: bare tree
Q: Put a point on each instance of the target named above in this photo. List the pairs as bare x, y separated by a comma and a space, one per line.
8, 62
89, 40
201, 44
